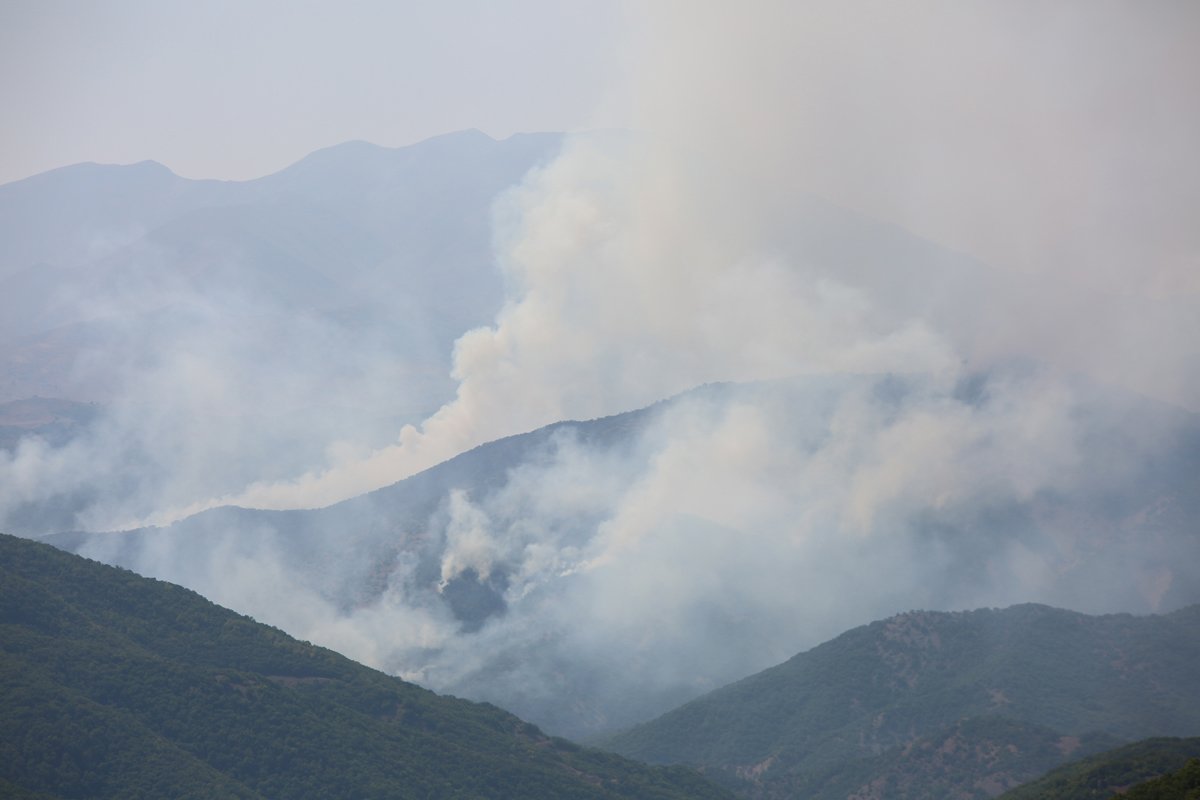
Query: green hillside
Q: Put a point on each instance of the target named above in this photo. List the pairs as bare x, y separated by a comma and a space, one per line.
114, 685
1182, 784
1103, 775
975, 758
926, 704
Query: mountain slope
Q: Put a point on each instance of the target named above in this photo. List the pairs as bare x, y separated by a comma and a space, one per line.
885, 688
974, 758
1182, 784
1103, 775
117, 685
535, 503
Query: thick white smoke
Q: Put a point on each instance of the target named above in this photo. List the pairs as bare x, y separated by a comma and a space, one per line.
767, 224
1052, 145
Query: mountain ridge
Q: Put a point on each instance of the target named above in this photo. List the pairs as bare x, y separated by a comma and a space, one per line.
385, 551
882, 687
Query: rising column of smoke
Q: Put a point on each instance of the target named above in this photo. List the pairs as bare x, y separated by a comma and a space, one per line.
1052, 144
641, 268
1018, 135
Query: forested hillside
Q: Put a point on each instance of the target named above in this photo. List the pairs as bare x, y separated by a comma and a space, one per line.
114, 685
1103, 775
929, 704
1182, 784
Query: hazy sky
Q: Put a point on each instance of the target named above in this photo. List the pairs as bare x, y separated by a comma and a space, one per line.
240, 89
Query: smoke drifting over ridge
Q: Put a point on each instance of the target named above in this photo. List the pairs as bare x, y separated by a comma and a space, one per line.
250, 330
1053, 145
1007, 457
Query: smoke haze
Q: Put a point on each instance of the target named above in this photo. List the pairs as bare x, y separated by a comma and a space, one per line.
946, 252
1051, 145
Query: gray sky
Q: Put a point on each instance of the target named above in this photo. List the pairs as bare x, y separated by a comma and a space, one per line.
240, 89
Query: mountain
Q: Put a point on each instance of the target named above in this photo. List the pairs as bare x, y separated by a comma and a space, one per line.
492, 551
67, 215
115, 685
1113, 772
310, 311
53, 421
927, 704
348, 550
400, 238
243, 337
431, 195
1182, 784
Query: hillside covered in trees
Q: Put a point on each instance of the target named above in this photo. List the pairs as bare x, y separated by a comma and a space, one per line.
114, 685
932, 704
1116, 771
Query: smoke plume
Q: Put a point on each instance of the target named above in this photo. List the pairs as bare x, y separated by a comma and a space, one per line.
947, 254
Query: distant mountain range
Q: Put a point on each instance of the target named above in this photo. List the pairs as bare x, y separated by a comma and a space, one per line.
395, 241
312, 308
113, 685
927, 705
402, 228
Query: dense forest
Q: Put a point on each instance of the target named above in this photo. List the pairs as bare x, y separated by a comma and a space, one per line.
1182, 784
1140, 765
933, 704
114, 685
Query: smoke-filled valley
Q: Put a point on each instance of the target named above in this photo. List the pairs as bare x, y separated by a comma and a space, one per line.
899, 313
